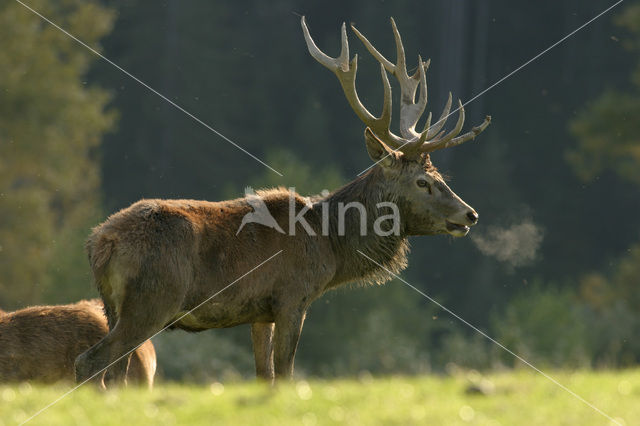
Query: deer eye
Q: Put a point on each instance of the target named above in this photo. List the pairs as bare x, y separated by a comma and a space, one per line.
422, 183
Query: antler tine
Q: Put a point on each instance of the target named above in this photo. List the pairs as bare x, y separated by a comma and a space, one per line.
341, 62
401, 60
431, 132
427, 124
346, 73
384, 122
441, 142
469, 135
449, 140
410, 112
388, 65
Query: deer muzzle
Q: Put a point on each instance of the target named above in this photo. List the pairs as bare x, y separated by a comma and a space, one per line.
459, 225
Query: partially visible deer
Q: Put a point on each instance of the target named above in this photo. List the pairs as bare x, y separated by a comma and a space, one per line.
157, 260
41, 343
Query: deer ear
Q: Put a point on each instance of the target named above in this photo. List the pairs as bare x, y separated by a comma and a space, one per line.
378, 150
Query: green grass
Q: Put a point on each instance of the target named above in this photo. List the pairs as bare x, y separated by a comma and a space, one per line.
510, 398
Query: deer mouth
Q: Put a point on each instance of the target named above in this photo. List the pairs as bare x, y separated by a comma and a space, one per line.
456, 229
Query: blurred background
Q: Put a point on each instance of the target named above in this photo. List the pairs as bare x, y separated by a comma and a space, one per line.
551, 270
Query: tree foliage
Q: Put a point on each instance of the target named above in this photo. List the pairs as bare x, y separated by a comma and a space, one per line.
608, 130
608, 134
51, 122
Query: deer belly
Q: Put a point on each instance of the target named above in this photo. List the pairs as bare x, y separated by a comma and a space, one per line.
222, 315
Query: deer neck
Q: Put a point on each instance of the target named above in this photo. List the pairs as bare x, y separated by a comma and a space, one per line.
387, 255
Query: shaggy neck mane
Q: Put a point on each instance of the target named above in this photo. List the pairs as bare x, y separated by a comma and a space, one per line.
388, 251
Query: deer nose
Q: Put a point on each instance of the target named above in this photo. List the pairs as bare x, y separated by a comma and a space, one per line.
473, 217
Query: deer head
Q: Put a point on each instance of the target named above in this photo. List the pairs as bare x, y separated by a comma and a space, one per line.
428, 205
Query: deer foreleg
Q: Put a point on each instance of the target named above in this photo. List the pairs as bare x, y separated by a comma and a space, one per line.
288, 326
262, 337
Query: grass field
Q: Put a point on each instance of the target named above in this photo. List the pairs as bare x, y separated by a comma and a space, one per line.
514, 398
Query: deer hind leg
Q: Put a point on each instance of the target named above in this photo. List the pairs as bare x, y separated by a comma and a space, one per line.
88, 365
148, 305
262, 338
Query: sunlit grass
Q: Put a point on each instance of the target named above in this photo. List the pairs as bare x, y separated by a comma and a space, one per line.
521, 397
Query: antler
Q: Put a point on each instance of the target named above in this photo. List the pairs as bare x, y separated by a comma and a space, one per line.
409, 142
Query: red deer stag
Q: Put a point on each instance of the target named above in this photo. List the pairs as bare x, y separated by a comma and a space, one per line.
41, 343
157, 260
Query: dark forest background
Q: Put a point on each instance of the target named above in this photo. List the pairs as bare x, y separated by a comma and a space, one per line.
551, 270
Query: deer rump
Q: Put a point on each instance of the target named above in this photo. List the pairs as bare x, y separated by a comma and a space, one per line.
41, 343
